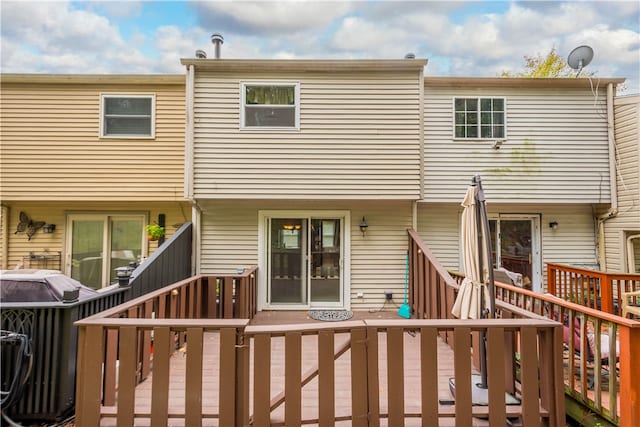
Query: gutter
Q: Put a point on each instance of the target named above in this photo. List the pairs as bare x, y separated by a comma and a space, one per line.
613, 174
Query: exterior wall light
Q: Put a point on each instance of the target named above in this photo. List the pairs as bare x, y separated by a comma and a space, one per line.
363, 226
48, 228
553, 225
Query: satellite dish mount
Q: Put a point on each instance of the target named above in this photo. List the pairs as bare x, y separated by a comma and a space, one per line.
580, 57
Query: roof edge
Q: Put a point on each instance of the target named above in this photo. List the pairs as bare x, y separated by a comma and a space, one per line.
94, 78
520, 82
306, 65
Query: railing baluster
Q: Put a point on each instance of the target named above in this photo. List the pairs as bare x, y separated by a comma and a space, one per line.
160, 385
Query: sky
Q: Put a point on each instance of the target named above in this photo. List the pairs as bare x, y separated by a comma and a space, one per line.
459, 38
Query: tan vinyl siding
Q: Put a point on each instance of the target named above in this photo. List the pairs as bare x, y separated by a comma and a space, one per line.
627, 221
18, 246
556, 148
359, 138
230, 240
572, 243
51, 149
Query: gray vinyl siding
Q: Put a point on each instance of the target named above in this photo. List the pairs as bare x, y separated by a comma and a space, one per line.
359, 138
230, 241
627, 221
556, 148
574, 242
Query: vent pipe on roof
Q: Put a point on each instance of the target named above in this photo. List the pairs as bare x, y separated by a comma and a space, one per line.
201, 54
217, 41
410, 56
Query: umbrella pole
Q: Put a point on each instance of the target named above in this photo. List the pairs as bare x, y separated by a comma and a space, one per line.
484, 240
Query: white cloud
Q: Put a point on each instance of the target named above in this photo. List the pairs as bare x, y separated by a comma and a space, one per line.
270, 17
85, 37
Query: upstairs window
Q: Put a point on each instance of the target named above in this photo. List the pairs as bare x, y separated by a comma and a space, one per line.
270, 106
479, 118
128, 116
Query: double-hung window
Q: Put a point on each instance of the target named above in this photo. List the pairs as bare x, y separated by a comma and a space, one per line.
479, 118
270, 105
128, 116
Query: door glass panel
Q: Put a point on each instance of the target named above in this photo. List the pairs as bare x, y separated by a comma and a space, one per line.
516, 248
325, 260
126, 244
86, 252
287, 281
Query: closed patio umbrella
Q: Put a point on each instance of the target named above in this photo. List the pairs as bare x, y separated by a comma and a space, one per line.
477, 288
469, 301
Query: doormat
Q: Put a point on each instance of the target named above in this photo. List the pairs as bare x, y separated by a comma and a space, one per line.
330, 315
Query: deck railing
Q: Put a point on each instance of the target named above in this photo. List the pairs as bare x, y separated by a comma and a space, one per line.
599, 290
219, 352
199, 297
169, 264
593, 376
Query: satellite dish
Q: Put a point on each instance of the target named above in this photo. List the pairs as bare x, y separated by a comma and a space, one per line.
580, 57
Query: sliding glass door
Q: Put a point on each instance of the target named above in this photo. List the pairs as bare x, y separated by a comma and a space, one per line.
97, 244
304, 261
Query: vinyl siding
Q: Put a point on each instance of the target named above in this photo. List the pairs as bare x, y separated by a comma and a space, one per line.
50, 147
572, 243
230, 240
18, 246
627, 222
359, 138
556, 148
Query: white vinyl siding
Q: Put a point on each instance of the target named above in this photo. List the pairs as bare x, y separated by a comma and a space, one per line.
359, 138
51, 149
572, 243
627, 221
230, 241
556, 149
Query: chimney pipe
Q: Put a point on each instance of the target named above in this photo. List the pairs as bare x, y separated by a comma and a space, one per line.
410, 56
201, 54
217, 41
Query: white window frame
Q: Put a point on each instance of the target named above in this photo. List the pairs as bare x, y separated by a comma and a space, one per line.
263, 253
479, 137
106, 217
296, 105
103, 127
536, 246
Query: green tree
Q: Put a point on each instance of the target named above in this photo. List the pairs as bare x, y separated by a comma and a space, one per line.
546, 66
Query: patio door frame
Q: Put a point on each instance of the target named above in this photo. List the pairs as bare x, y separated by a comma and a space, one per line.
264, 217
536, 252
106, 243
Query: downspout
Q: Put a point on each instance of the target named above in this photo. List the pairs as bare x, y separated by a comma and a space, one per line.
613, 174
196, 210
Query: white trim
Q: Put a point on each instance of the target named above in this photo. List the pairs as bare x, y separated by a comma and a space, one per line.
263, 250
105, 217
106, 95
536, 240
478, 98
294, 83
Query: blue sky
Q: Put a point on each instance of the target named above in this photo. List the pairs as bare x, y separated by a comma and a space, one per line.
460, 38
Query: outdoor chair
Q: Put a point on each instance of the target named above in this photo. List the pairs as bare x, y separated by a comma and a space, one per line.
589, 358
628, 307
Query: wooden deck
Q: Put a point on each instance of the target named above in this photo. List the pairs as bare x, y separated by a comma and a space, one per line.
309, 362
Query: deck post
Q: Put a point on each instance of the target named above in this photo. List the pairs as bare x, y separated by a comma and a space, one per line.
629, 368
242, 379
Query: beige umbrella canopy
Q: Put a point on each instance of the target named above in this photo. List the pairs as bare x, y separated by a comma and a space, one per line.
468, 304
